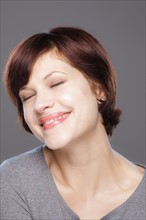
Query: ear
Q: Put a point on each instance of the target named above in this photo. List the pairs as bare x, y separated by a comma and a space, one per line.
100, 95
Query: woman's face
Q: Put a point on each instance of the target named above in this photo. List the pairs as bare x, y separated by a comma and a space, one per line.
58, 104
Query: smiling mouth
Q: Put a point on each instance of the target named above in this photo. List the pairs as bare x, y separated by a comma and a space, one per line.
48, 122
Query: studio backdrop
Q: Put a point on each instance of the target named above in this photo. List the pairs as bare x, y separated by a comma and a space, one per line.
119, 25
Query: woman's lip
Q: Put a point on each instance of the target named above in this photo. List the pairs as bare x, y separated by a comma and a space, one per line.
52, 117
56, 121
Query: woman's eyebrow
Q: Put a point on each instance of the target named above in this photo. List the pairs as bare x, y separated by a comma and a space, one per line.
51, 73
48, 75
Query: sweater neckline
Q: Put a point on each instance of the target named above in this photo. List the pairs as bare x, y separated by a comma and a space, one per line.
70, 211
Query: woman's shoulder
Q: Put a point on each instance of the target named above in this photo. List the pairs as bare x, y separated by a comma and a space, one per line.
142, 185
22, 163
23, 156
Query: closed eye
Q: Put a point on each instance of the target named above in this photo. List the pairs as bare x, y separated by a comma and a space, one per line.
24, 99
57, 84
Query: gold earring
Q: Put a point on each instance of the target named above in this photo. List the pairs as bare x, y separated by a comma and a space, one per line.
101, 100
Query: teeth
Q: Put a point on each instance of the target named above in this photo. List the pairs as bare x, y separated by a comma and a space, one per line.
52, 120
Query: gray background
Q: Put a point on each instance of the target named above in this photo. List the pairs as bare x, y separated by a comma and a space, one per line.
119, 25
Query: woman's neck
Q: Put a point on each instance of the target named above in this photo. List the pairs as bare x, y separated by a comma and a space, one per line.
89, 164
92, 162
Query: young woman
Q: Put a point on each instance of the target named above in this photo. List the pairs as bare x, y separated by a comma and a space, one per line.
63, 85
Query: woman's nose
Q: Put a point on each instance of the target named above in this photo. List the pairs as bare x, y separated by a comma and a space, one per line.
43, 102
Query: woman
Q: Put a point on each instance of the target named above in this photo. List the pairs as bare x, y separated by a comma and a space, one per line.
63, 85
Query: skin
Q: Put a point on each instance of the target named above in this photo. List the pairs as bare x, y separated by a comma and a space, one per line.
91, 177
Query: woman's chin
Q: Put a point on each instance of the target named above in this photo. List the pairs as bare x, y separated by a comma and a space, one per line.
57, 144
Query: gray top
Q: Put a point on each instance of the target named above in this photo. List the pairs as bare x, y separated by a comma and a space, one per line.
28, 192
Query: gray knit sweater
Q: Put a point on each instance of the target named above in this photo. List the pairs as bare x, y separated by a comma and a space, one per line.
28, 192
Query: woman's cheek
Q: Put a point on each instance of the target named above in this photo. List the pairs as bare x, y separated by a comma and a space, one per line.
69, 96
28, 114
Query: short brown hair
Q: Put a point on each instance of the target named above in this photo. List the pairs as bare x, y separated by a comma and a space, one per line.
81, 50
